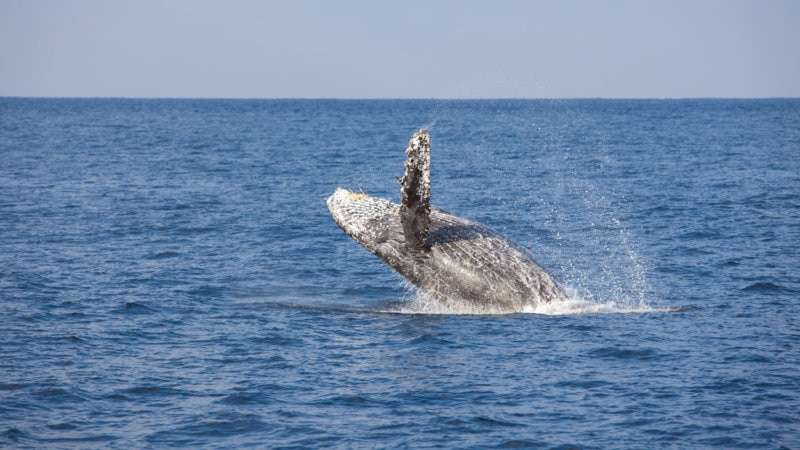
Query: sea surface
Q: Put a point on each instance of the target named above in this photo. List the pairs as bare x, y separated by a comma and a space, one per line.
170, 275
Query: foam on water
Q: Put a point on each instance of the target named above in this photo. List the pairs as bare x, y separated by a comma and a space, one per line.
579, 306
422, 303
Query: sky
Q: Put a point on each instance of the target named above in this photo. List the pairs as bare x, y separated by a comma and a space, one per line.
400, 49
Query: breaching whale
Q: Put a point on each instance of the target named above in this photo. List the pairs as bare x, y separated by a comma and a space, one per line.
449, 257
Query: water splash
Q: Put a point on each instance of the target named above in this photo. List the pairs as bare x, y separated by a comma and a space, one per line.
421, 302
579, 306
592, 240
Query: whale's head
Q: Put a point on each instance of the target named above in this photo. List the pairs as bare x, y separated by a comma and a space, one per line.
372, 222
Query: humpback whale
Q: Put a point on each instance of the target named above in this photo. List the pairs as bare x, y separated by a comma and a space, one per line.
450, 258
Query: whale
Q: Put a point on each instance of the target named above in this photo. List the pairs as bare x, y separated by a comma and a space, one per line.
451, 259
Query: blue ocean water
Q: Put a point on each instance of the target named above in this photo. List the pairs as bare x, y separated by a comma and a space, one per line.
170, 276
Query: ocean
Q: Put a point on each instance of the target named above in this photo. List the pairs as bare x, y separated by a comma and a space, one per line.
170, 275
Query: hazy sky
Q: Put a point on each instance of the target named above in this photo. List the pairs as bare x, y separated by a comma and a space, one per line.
399, 49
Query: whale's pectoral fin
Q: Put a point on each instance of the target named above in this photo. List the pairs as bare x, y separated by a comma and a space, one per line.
415, 209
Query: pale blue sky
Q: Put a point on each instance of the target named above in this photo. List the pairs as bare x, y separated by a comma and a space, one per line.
400, 49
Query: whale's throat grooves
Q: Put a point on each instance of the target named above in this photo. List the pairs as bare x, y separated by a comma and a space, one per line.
415, 209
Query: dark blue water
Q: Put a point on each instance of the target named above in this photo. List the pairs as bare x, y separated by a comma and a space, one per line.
170, 277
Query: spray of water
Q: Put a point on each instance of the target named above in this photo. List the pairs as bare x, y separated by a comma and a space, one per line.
593, 247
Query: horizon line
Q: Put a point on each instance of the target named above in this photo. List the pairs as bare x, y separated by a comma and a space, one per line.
387, 98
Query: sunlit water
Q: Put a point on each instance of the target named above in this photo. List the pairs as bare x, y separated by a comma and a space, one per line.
170, 276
